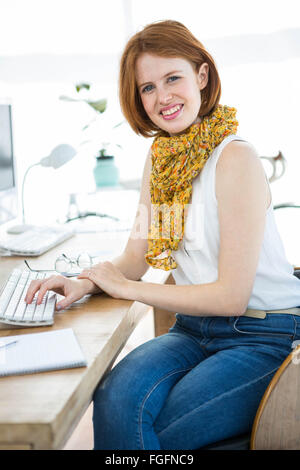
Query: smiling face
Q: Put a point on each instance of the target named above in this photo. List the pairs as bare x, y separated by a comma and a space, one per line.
169, 88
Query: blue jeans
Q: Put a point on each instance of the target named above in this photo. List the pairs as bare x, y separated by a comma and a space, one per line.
198, 384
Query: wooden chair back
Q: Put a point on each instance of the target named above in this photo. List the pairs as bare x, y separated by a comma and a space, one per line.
277, 422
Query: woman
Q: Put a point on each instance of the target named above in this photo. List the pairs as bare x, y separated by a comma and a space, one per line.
212, 224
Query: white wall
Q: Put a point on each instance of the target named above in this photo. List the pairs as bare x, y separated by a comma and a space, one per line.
47, 46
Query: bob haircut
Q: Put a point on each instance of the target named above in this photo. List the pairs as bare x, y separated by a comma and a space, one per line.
166, 39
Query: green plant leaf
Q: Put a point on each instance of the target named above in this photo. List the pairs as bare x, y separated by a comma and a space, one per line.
67, 98
85, 142
88, 125
99, 106
102, 152
80, 86
119, 124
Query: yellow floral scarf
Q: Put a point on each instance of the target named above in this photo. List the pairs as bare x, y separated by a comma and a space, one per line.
176, 161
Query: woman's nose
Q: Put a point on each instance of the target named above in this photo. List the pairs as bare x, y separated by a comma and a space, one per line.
165, 96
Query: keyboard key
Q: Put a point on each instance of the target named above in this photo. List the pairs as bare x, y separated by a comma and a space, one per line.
20, 310
29, 312
13, 308
39, 311
50, 306
16, 295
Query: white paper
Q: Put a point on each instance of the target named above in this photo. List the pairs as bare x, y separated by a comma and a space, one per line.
39, 352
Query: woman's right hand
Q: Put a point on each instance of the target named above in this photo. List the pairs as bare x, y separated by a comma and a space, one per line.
71, 289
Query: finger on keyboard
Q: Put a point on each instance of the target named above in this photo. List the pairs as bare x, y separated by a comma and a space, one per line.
32, 290
48, 284
15, 311
36, 284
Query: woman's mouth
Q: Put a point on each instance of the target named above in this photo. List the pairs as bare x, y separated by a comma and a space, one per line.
172, 112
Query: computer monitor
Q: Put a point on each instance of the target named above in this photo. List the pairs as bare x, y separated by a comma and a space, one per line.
8, 185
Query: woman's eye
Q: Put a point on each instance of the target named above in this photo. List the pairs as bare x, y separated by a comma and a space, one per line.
173, 78
147, 88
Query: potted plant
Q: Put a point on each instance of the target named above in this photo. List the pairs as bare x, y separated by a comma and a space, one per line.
106, 172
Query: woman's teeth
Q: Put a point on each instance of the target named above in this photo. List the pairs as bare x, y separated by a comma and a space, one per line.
171, 111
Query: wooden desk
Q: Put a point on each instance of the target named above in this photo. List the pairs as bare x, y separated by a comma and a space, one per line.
40, 411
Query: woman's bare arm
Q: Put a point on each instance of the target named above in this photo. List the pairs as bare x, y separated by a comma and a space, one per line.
242, 195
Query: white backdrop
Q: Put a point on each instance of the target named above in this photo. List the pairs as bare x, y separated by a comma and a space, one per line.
48, 46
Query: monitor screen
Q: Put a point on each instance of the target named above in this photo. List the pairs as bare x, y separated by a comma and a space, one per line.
8, 189
7, 179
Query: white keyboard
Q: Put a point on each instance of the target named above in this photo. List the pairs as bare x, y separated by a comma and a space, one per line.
35, 241
13, 308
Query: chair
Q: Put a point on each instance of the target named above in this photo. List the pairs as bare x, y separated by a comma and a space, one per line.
277, 421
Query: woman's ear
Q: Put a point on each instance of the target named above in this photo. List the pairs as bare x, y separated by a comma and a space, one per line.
202, 75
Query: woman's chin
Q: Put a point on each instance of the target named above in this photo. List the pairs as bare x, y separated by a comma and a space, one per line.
177, 126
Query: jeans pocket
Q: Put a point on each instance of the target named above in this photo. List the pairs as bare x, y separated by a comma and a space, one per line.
280, 325
297, 327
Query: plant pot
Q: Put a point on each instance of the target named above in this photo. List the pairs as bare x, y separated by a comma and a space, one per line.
106, 172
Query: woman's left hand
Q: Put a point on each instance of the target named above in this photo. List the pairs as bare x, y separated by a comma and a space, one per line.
108, 277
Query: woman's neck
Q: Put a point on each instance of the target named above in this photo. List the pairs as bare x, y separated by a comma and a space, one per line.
197, 120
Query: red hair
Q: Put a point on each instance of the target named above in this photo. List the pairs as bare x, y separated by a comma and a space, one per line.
166, 39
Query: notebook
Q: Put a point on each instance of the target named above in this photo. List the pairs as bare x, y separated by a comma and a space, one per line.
40, 352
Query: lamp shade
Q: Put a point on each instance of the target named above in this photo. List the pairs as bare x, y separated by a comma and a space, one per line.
59, 156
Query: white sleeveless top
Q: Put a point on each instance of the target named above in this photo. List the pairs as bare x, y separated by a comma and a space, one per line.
275, 286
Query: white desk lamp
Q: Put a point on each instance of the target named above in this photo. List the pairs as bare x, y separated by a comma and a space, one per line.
57, 158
